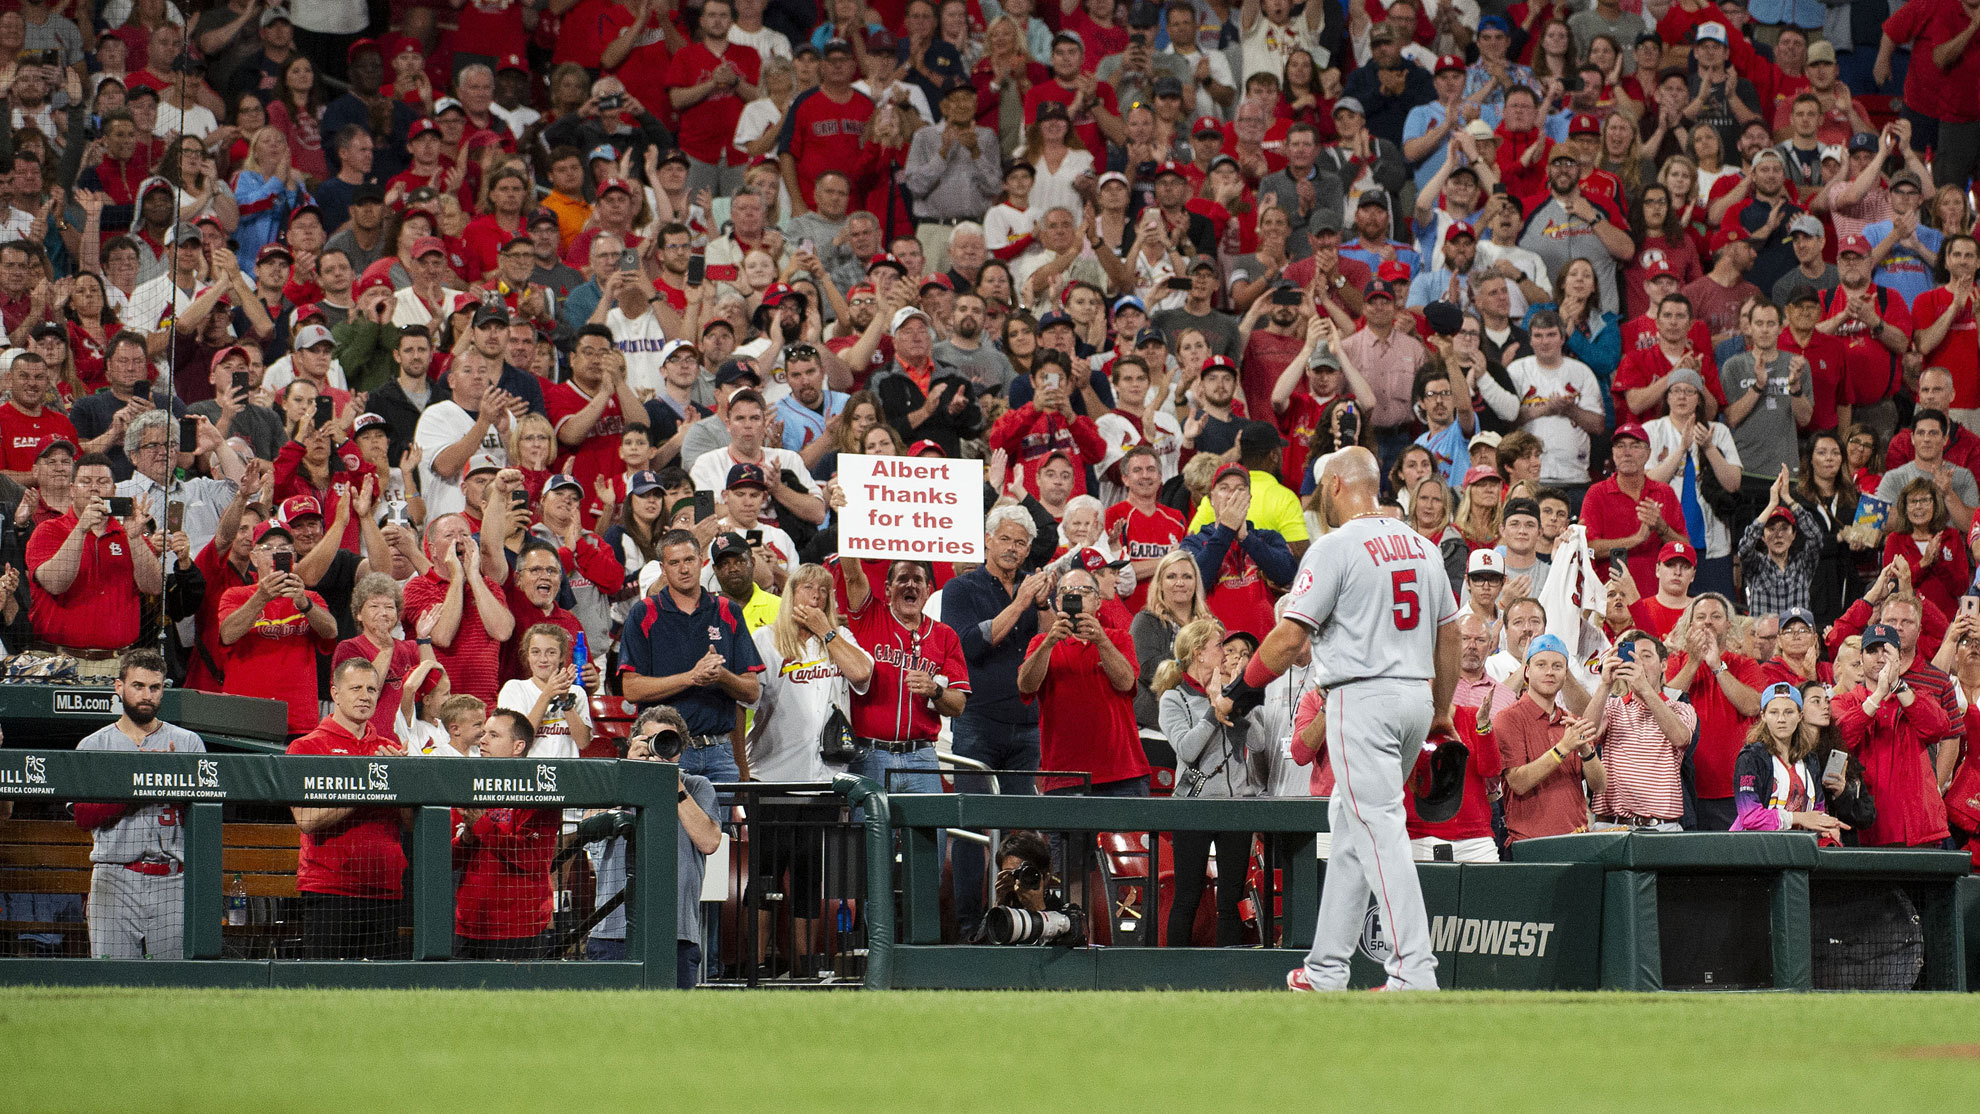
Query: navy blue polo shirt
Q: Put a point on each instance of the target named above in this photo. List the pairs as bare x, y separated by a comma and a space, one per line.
660, 640
969, 603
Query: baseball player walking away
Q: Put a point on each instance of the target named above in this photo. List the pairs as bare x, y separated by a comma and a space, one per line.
1373, 598
137, 888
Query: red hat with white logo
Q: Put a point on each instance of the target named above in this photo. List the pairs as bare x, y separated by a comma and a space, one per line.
1449, 62
1584, 123
300, 506
1853, 243
1677, 551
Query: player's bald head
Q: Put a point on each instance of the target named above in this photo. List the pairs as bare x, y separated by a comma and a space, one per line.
1348, 483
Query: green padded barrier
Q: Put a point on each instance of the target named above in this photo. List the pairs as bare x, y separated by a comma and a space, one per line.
1718, 852
1966, 895
1893, 862
1794, 967
1632, 958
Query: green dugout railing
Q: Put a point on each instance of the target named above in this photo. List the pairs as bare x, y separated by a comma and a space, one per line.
207, 782
1494, 926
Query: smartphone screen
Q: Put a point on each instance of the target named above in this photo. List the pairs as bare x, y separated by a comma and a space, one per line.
175, 517
188, 436
697, 269
285, 562
122, 506
325, 411
241, 381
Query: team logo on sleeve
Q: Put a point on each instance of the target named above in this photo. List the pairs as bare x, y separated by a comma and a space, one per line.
1303, 582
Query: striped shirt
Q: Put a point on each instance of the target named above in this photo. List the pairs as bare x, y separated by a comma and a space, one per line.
1937, 685
1485, 694
1642, 762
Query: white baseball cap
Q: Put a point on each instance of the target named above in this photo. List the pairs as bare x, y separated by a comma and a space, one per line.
1716, 32
486, 462
309, 336
903, 315
1485, 562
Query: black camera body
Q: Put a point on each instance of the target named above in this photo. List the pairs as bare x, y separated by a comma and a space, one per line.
1350, 425
667, 744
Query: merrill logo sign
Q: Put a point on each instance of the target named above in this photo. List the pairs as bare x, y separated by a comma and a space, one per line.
37, 770
380, 777
541, 789
209, 774
30, 779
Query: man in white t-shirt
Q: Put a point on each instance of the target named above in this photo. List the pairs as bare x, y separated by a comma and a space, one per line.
474, 422
748, 424
1555, 398
627, 310
1271, 35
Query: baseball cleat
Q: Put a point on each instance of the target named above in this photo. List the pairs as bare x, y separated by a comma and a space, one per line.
1296, 980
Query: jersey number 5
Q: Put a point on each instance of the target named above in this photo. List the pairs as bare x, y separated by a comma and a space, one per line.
1407, 606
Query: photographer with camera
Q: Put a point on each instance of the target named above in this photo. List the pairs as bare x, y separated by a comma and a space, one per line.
658, 735
1030, 904
1082, 676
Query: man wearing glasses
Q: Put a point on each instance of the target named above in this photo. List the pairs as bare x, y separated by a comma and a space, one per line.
274, 628
152, 443
89, 569
1082, 676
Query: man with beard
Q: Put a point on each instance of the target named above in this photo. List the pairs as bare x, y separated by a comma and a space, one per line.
919, 675
1450, 282
807, 411
137, 895
966, 351
1212, 427
1268, 351
1569, 225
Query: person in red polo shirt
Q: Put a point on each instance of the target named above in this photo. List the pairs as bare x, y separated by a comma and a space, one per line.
274, 629
708, 82
1081, 674
1631, 511
25, 421
350, 868
1141, 527
1547, 754
474, 620
89, 570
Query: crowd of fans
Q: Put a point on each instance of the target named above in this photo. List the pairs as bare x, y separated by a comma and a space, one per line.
508, 350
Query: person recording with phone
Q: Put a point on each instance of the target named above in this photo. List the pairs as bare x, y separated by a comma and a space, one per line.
1643, 733
273, 629
91, 569
1082, 675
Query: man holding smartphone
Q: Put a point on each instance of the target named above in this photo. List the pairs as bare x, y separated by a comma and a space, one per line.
273, 629
1081, 674
89, 568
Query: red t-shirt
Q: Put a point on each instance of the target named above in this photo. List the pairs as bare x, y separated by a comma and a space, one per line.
360, 856
504, 862
598, 454
1721, 729
1609, 513
708, 128
276, 658
1959, 353
1083, 123
887, 710
1240, 598
1826, 356
1474, 815
482, 240
883, 354
220, 576
100, 611
1143, 537
1651, 615
1084, 722
1266, 355
825, 135
490, 28
20, 435
1645, 366
1716, 305
1873, 372
405, 659
474, 660
1101, 42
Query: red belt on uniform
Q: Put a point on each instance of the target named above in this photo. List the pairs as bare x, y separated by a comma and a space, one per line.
156, 869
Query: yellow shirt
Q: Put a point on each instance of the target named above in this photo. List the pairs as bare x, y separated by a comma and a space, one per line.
762, 608
1274, 506
571, 212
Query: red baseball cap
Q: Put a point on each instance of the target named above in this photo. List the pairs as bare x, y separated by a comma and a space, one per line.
925, 446
1395, 270
610, 184
1449, 62
1479, 472
220, 357
369, 282
1233, 468
300, 506
1853, 242
886, 259
272, 526
511, 62
1584, 123
941, 280
1630, 429
1727, 235
52, 441
1458, 228
1206, 125
427, 245
306, 311
1092, 560
860, 288
1657, 268
1171, 167
403, 44
425, 125
1677, 551
362, 45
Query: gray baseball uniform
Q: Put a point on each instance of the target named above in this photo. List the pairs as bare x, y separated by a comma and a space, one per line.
1374, 593
137, 893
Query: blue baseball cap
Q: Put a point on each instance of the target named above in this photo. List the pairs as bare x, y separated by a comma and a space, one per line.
1798, 615
1129, 300
644, 483
1497, 21
1546, 643
1881, 634
1777, 690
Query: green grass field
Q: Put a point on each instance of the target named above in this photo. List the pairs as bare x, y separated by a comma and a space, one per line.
575, 1052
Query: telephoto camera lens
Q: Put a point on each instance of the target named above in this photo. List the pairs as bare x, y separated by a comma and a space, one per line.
1012, 924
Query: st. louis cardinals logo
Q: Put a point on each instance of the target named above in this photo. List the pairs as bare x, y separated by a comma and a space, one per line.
208, 774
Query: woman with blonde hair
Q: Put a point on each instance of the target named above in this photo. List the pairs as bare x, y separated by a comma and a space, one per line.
1175, 600
1430, 514
532, 447
1213, 759
1477, 515
1777, 788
